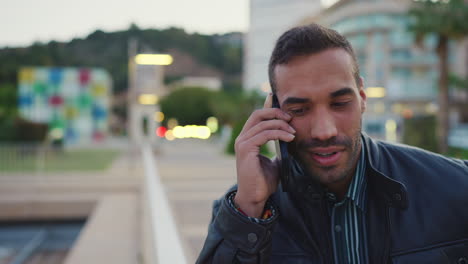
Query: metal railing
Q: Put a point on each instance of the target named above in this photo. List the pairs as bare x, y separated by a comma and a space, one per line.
166, 242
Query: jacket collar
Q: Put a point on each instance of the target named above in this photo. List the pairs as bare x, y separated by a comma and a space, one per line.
391, 191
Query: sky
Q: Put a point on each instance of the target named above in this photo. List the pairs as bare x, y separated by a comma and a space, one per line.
23, 22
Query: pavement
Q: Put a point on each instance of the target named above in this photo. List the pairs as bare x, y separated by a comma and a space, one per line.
194, 173
110, 201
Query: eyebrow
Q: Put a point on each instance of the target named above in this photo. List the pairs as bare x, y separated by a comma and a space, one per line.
341, 92
299, 100
295, 100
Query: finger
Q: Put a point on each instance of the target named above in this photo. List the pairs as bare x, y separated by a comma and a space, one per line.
264, 114
267, 135
268, 101
274, 124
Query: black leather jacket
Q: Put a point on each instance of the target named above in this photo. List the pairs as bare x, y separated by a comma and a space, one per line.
417, 213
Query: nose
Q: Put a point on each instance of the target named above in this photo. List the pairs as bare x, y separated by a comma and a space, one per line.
323, 126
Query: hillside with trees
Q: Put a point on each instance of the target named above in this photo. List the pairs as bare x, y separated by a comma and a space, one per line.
194, 55
109, 51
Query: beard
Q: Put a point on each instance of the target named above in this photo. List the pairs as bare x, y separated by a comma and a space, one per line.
329, 174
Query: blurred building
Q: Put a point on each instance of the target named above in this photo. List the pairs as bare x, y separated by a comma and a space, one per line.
268, 19
74, 102
146, 87
211, 83
400, 78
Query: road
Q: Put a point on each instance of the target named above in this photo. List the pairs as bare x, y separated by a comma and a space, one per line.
194, 173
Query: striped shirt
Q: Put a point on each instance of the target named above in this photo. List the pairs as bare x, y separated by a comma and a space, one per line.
348, 219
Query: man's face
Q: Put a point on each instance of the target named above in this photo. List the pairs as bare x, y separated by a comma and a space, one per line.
320, 93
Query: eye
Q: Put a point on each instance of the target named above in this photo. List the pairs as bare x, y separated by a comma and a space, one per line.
340, 104
297, 111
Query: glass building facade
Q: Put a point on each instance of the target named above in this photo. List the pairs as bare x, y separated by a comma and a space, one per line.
383, 41
389, 58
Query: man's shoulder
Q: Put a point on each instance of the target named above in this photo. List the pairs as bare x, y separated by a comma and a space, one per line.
383, 154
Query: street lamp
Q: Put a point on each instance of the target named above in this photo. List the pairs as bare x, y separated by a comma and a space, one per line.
148, 99
146, 76
153, 59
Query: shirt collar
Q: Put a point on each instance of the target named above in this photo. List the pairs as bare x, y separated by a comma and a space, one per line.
357, 188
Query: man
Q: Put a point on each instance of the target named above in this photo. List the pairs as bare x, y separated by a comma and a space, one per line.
350, 199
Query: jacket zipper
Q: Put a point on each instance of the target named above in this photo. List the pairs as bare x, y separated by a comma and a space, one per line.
317, 249
329, 248
315, 246
387, 236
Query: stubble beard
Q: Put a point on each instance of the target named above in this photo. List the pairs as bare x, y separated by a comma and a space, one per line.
330, 174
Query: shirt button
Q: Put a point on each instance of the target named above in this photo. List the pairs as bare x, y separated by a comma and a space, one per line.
397, 197
331, 197
252, 237
337, 228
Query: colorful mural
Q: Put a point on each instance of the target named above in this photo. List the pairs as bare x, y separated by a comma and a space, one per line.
73, 101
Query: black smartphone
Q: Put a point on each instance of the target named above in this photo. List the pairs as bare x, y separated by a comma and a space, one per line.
283, 155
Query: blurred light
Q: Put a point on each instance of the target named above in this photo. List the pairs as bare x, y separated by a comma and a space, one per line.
161, 131
390, 130
169, 135
407, 113
390, 125
56, 133
203, 132
153, 59
266, 87
190, 131
148, 99
179, 132
375, 92
159, 117
431, 108
212, 124
172, 122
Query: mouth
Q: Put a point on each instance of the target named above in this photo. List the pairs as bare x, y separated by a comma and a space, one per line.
326, 157
325, 154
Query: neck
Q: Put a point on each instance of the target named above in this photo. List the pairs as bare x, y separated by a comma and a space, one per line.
340, 188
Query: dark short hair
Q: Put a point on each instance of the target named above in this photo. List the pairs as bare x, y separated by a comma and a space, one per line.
305, 40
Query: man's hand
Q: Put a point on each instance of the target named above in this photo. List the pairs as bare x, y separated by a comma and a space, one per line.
257, 176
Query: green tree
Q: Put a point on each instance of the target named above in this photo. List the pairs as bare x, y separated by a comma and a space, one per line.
234, 108
109, 50
446, 19
8, 101
189, 105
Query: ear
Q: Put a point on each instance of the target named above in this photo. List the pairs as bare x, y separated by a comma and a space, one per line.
363, 95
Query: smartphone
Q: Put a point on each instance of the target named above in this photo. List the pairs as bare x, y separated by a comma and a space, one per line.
283, 155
